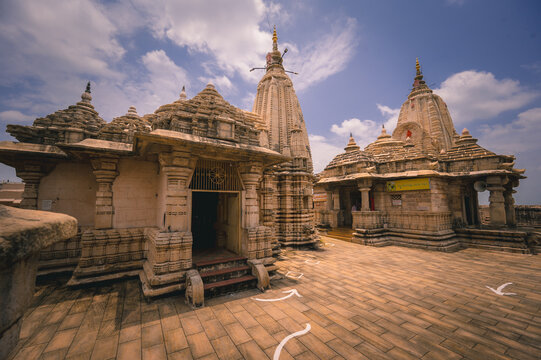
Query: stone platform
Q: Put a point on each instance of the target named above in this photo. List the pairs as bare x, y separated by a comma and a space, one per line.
361, 303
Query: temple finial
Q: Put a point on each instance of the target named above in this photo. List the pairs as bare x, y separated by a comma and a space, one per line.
183, 93
350, 134
88, 87
417, 66
274, 40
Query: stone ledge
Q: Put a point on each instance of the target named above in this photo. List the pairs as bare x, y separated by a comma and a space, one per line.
25, 232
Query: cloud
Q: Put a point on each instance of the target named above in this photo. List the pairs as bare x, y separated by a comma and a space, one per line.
326, 56
366, 131
475, 95
14, 117
322, 151
228, 32
325, 148
222, 83
518, 136
78, 37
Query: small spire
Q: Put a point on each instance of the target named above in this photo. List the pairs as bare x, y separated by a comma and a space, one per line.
85, 96
132, 111
183, 93
274, 40
352, 145
417, 67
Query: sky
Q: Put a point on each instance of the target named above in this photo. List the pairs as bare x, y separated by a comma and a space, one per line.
355, 62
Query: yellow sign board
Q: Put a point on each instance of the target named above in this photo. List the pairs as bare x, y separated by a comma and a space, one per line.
408, 184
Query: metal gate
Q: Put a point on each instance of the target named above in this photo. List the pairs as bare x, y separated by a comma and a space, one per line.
214, 175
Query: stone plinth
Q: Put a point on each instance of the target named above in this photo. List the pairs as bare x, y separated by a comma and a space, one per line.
23, 233
367, 219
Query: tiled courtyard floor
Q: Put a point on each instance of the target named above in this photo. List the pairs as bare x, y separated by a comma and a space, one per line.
361, 303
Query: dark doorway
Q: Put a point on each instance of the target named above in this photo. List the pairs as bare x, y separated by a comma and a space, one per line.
204, 219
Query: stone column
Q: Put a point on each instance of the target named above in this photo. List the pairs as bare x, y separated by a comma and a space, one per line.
31, 173
364, 187
336, 199
105, 171
497, 202
509, 206
178, 167
253, 239
250, 174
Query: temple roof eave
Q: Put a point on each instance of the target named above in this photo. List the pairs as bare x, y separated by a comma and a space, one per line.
419, 173
174, 138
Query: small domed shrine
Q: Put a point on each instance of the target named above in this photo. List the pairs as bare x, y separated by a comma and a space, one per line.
419, 186
198, 195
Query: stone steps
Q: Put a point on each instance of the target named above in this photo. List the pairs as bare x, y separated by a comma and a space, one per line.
225, 275
341, 233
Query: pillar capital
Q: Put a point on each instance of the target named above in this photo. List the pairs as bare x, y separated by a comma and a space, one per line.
31, 172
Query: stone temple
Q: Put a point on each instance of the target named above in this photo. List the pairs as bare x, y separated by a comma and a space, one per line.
419, 186
198, 195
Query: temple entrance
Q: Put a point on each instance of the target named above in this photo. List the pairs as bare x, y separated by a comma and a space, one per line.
215, 222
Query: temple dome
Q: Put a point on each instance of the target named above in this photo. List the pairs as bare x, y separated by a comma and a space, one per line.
207, 114
425, 119
73, 124
122, 128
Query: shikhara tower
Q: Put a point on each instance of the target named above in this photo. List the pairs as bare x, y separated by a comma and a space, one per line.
286, 190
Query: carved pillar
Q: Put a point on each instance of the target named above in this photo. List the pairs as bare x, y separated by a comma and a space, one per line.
364, 187
178, 167
497, 202
105, 171
31, 173
509, 206
250, 174
336, 199
254, 244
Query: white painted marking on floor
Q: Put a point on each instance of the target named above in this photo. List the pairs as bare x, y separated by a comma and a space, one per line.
291, 293
499, 290
291, 274
310, 262
287, 338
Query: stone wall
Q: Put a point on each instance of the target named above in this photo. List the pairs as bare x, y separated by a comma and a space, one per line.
526, 215
135, 194
70, 189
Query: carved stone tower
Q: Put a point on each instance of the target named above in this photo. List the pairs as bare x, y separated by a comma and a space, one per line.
425, 119
277, 103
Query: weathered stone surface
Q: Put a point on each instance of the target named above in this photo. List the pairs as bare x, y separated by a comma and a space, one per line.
23, 233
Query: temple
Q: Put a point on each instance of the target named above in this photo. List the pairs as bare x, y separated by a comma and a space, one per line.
287, 187
419, 186
198, 195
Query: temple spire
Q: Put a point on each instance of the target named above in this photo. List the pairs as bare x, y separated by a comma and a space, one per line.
417, 66
88, 87
274, 40
419, 85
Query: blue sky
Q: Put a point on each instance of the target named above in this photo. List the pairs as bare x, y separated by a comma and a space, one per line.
355, 61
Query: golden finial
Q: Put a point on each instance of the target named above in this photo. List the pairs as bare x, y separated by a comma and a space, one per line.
274, 40
417, 66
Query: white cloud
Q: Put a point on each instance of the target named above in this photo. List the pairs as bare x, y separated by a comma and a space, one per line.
324, 148
222, 83
366, 131
326, 56
520, 135
322, 151
227, 31
14, 116
474, 95
46, 38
